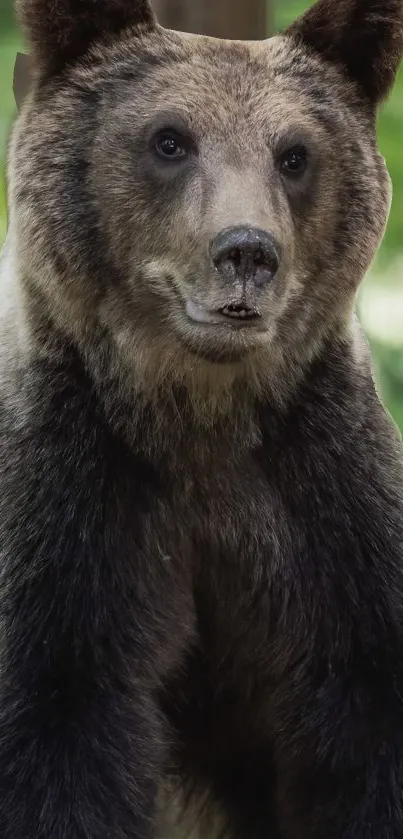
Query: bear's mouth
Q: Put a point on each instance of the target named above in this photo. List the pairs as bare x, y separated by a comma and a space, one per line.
238, 314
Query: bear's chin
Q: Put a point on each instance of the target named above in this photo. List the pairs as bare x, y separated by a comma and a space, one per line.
222, 343
217, 353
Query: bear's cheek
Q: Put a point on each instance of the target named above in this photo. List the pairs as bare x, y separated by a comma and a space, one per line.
363, 212
338, 227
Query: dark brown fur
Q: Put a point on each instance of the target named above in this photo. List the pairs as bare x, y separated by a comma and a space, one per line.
365, 38
60, 31
201, 590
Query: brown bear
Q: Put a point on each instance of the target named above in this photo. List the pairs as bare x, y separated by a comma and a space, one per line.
201, 496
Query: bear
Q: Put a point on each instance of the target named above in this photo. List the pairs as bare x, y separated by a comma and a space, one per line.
201, 493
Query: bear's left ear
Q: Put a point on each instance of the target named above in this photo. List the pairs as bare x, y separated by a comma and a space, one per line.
364, 37
61, 31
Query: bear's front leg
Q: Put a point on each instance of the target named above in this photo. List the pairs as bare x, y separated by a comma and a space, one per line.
337, 709
339, 748
91, 621
333, 618
80, 757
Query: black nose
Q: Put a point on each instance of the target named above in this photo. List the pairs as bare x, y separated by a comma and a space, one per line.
246, 254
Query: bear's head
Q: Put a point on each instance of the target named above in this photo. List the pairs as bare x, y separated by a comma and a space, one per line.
203, 209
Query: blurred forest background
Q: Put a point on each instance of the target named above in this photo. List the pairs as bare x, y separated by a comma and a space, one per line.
380, 303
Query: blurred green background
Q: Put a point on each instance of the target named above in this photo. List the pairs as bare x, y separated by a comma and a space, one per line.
381, 298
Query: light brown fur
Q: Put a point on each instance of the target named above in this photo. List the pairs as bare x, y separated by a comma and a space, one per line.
141, 316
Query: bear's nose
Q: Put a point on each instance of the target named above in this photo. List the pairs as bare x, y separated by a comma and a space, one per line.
245, 254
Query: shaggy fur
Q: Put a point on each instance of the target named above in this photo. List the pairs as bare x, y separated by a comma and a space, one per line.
201, 525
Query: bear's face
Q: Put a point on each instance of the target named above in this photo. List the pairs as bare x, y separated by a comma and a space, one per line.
198, 198
221, 137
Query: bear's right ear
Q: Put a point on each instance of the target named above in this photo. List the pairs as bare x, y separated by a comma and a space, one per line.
363, 37
61, 31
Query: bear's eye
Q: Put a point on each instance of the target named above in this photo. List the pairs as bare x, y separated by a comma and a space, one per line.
171, 145
294, 161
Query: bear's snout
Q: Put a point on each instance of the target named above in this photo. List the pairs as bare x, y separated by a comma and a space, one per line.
245, 254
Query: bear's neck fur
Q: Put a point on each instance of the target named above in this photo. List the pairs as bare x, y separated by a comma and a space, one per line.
209, 411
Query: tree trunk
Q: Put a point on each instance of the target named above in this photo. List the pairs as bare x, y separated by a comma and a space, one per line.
247, 20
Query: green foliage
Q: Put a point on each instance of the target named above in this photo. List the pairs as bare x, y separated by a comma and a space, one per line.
390, 134
6, 16
8, 48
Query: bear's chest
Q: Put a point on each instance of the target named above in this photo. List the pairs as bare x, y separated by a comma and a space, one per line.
229, 517
233, 538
